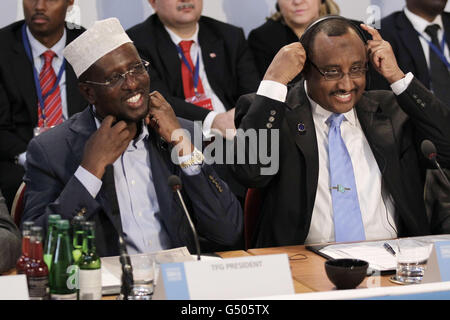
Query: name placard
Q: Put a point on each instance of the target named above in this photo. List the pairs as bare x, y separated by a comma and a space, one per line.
231, 278
14, 287
438, 266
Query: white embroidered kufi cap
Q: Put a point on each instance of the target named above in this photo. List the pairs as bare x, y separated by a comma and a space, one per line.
103, 37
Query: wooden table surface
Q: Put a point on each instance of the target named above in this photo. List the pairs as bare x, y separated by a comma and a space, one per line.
307, 268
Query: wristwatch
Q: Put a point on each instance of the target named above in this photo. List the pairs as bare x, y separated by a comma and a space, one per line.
197, 158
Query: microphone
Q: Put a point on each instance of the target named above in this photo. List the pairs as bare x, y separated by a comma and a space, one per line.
127, 269
429, 151
175, 184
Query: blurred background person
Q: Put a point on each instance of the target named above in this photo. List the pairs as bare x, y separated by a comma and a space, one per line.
31, 62
285, 26
419, 36
10, 242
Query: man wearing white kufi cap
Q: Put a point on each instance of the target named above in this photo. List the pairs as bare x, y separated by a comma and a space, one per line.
111, 162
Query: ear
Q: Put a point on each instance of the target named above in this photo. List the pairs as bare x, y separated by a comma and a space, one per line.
87, 92
152, 3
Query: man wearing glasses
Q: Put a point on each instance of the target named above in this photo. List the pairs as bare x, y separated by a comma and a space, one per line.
350, 165
111, 162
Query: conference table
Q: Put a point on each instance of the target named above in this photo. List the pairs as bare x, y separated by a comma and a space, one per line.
307, 268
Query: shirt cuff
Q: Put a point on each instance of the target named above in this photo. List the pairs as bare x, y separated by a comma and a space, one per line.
273, 90
191, 170
89, 181
207, 124
401, 85
22, 158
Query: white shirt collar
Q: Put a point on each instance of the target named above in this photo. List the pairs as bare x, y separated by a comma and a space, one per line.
38, 48
176, 39
420, 23
319, 112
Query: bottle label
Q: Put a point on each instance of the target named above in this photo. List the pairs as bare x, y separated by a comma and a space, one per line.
38, 288
90, 284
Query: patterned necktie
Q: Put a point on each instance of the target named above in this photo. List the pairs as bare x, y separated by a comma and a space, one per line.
53, 105
439, 75
188, 75
348, 225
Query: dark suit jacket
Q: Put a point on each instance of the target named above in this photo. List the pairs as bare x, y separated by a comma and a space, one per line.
266, 40
231, 72
400, 33
10, 239
394, 127
18, 102
54, 156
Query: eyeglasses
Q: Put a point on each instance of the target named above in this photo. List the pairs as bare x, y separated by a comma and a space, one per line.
336, 74
117, 79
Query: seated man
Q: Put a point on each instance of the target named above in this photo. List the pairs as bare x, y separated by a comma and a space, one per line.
107, 164
10, 243
350, 165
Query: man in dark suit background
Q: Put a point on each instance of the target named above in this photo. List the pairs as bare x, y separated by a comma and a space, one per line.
107, 164
45, 28
380, 133
408, 32
10, 247
226, 68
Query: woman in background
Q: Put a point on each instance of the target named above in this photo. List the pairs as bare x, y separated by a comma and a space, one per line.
285, 26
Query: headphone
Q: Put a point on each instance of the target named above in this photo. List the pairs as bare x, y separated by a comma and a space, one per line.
351, 23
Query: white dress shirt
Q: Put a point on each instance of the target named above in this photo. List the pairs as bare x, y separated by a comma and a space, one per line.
217, 104
420, 25
377, 207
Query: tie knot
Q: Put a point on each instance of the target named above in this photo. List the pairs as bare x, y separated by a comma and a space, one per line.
186, 45
48, 56
336, 119
432, 30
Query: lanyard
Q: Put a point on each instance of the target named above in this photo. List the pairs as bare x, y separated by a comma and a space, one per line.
196, 71
26, 44
439, 51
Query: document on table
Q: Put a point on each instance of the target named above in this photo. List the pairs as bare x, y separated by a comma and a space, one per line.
112, 269
371, 251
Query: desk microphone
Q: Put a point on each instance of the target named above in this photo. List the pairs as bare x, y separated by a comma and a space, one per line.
429, 151
175, 184
127, 269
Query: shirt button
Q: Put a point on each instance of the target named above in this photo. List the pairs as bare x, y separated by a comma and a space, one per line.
273, 112
269, 125
149, 243
140, 213
271, 119
133, 182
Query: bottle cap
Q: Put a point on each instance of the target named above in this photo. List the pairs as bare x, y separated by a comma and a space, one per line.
27, 225
63, 224
52, 218
78, 219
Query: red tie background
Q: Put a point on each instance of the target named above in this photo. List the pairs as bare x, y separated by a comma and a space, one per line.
53, 105
187, 76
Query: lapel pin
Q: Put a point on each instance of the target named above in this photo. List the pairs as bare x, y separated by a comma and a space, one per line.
301, 128
212, 55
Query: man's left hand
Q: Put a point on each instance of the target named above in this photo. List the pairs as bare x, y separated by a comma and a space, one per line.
382, 56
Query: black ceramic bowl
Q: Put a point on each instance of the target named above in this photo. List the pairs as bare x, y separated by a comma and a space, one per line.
346, 273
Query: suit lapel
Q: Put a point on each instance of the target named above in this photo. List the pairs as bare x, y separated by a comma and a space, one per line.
306, 140
213, 54
24, 72
411, 41
168, 54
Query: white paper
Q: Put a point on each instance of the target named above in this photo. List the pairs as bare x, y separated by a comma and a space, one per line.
14, 287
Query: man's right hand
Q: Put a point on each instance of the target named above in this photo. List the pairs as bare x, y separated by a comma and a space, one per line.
286, 64
106, 145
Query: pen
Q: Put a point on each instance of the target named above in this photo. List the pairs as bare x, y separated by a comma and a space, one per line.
389, 248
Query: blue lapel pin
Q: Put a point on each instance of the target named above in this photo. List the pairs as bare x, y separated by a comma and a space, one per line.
301, 128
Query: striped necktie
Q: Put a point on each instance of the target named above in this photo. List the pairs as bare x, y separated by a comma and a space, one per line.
52, 100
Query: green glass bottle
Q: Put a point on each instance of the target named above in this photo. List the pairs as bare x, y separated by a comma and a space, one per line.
64, 272
50, 240
77, 231
90, 266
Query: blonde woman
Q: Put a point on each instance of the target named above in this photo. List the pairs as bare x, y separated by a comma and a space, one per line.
285, 26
